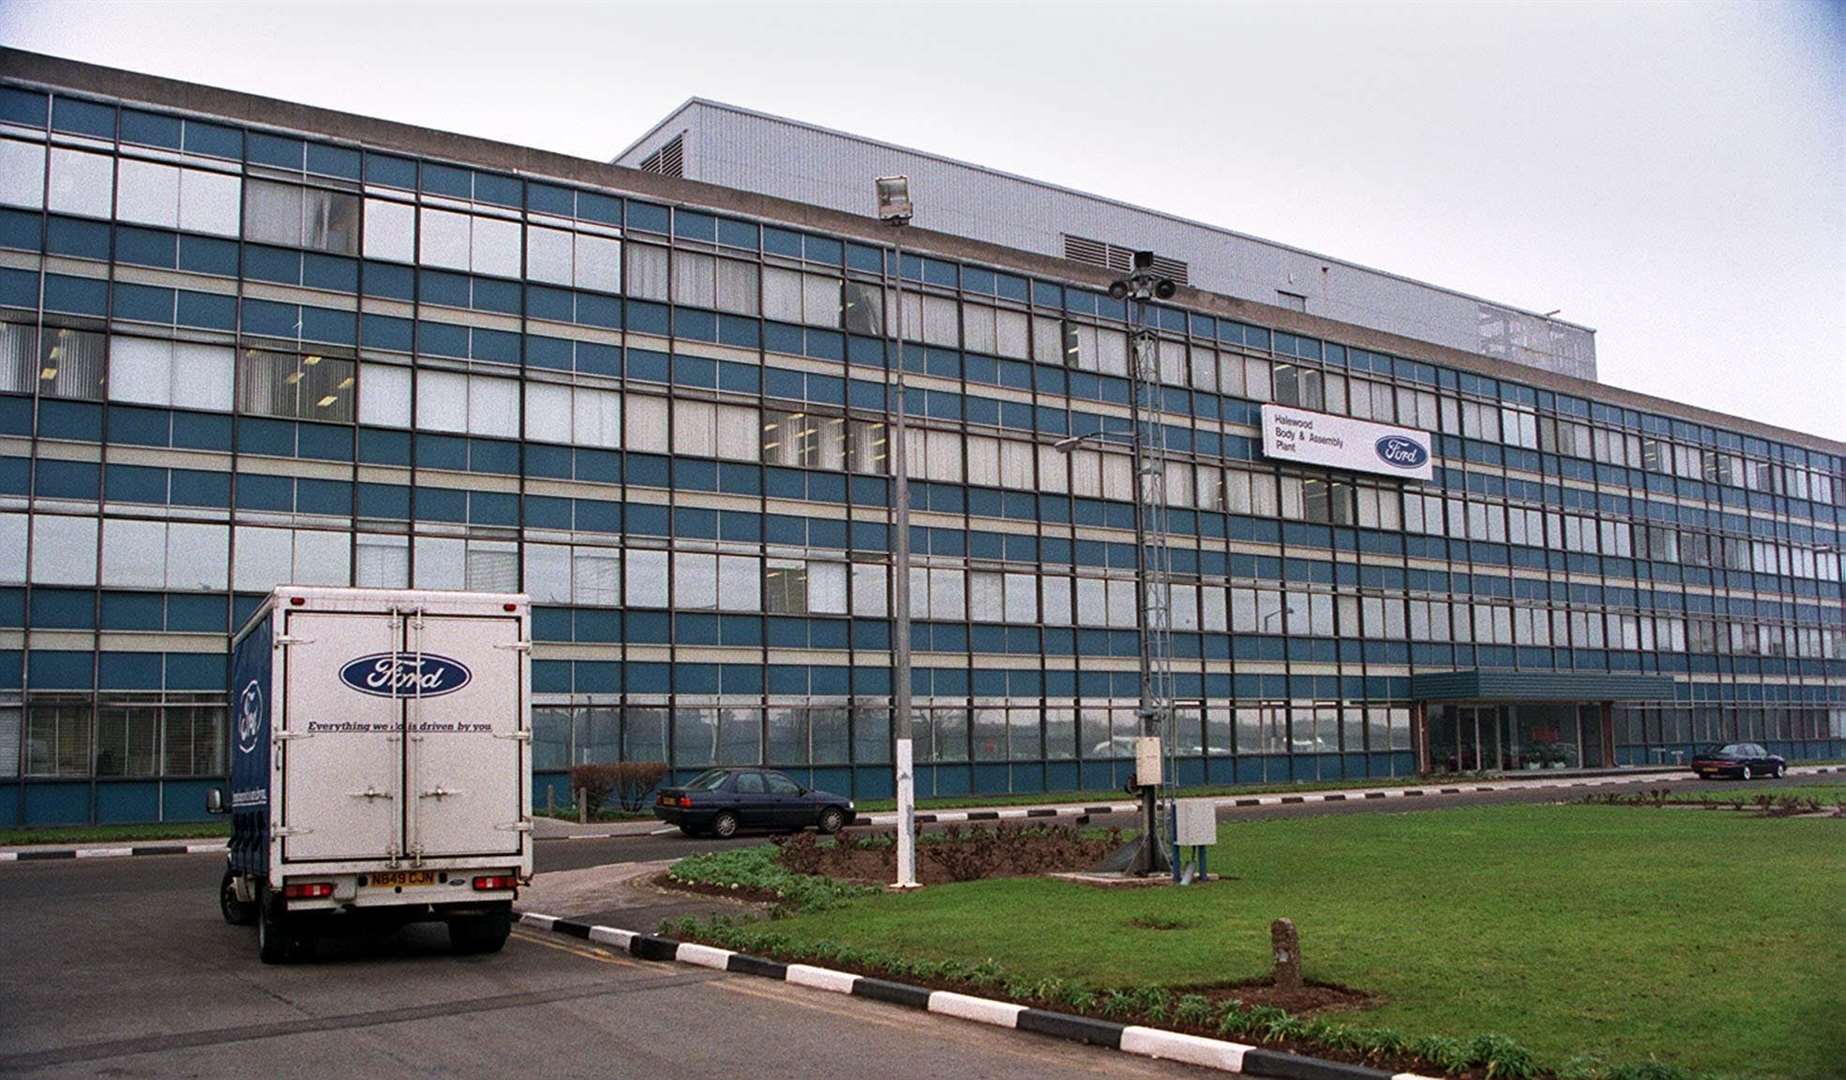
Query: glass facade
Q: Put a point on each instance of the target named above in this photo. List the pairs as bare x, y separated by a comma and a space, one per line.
232, 357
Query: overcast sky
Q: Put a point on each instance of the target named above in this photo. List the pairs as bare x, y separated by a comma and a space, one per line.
1673, 175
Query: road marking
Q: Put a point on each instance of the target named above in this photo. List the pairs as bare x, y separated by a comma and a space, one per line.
588, 953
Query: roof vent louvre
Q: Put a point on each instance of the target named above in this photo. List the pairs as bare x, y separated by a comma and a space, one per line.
669, 160
1119, 259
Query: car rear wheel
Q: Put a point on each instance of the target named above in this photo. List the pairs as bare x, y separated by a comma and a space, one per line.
1780, 771
1746, 772
724, 826
832, 820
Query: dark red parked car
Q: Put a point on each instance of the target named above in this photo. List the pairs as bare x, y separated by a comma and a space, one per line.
1743, 760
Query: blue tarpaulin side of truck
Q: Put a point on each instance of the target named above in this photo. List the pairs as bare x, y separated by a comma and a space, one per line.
252, 695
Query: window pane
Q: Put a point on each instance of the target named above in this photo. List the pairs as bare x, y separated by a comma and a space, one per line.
390, 230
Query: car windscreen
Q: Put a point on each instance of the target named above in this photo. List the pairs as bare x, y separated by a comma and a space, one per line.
1719, 750
709, 780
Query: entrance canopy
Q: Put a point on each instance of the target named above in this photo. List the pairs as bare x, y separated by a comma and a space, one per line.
1515, 686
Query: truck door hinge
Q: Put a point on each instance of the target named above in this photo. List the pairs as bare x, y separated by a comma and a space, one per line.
371, 793
290, 831
284, 736
516, 646
515, 826
516, 736
438, 793
290, 639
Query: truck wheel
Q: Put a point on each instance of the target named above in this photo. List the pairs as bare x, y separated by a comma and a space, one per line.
724, 826
236, 912
832, 820
471, 934
272, 939
279, 939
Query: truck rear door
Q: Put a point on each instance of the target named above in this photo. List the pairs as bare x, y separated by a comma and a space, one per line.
342, 749
464, 717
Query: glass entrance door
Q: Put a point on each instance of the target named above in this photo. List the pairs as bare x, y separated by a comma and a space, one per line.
1464, 738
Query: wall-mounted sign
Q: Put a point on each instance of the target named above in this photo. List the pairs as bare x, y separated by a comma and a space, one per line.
1340, 442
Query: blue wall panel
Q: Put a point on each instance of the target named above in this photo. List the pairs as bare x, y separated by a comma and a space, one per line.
58, 803
128, 800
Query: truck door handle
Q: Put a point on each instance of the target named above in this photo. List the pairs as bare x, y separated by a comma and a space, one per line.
438, 793
371, 793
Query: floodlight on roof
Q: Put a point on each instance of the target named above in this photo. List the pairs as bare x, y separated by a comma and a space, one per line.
894, 199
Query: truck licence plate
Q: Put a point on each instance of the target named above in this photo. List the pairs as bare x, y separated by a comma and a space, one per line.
398, 878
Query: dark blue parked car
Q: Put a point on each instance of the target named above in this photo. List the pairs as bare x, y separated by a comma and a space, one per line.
1743, 760
722, 801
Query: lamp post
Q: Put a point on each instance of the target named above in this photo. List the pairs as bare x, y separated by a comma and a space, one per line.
894, 209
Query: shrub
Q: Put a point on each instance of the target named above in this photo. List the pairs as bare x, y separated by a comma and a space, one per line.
634, 780
594, 783
1444, 1053
1500, 1057
756, 868
1193, 1009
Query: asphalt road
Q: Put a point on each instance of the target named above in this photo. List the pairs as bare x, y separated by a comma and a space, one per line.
576, 854
123, 968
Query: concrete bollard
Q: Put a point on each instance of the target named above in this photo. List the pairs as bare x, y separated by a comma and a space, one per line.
583, 807
1287, 946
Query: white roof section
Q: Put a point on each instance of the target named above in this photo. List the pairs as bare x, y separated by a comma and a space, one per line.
770, 155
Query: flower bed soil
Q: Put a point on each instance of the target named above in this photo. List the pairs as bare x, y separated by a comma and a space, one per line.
954, 854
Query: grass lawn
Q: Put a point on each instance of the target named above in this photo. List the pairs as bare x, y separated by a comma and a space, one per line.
1716, 942
113, 834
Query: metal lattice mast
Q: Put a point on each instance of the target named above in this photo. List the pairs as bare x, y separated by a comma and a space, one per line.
1156, 585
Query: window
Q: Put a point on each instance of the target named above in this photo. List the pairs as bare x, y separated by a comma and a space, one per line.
295, 216
382, 561
310, 387
195, 200
471, 404
127, 739
575, 414
646, 578
484, 245
866, 447
58, 738
575, 259
69, 363
184, 556
63, 550
645, 425
1291, 301
384, 397
194, 739
647, 272
267, 557
864, 309
807, 441
81, 183
177, 373
791, 296
22, 174
705, 429
390, 230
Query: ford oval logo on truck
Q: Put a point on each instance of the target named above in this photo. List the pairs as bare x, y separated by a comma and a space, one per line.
1401, 453
405, 675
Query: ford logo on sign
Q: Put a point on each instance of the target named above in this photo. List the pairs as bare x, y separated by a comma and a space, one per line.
1401, 453
405, 675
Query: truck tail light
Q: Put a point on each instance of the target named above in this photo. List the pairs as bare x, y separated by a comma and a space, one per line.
308, 890
495, 883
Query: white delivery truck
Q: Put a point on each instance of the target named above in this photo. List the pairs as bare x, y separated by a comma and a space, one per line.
380, 765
